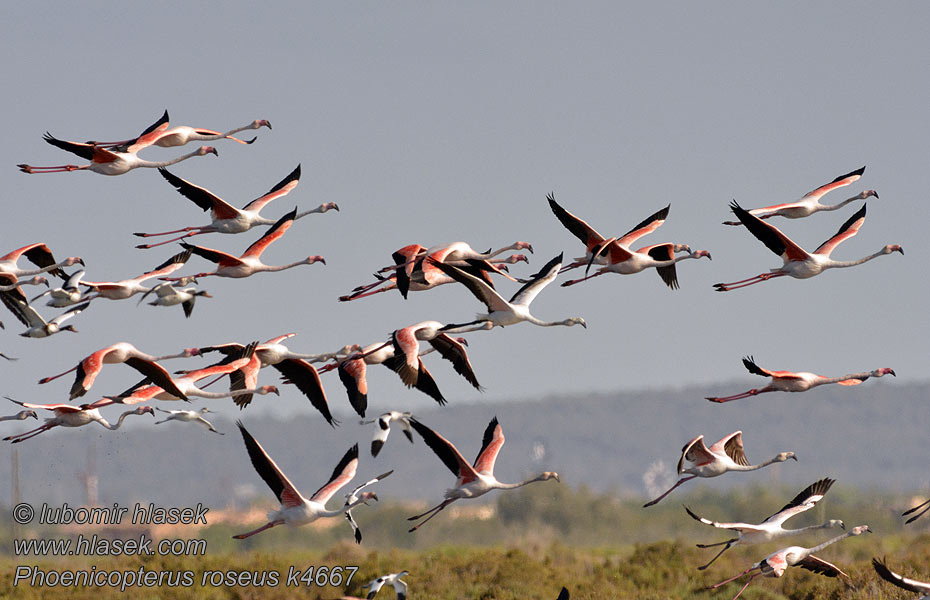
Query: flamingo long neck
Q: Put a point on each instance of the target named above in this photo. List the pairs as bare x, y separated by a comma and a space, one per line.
774, 459
840, 205
859, 376
809, 551
63, 263
318, 209
511, 486
267, 268
118, 422
827, 525
167, 163
840, 264
205, 394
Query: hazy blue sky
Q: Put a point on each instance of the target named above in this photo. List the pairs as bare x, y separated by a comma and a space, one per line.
442, 122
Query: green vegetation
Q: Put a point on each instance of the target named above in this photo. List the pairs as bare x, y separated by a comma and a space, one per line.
540, 539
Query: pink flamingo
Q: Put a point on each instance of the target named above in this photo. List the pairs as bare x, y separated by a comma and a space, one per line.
158, 134
798, 263
787, 381
471, 480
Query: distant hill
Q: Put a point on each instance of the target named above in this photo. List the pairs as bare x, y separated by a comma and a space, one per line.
871, 436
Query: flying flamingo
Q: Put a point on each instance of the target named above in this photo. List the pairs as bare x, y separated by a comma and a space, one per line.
122, 352
158, 134
472, 480
924, 505
775, 564
890, 576
172, 294
353, 372
502, 313
407, 258
120, 290
250, 261
786, 381
725, 455
67, 415
771, 528
67, 295
187, 384
406, 343
295, 509
615, 253
39, 255
294, 367
384, 428
21, 416
798, 263
810, 202
107, 162
426, 276
9, 282
187, 416
393, 580
225, 217
353, 497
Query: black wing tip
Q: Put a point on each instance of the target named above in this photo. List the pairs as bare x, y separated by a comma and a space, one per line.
858, 171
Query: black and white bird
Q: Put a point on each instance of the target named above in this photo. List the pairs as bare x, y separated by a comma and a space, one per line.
68, 294
393, 579
771, 528
187, 416
37, 327
172, 294
384, 428
352, 499
902, 582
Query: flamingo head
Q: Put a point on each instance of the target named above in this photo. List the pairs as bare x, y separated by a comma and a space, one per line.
515, 258
39, 280
834, 523
868, 193
268, 389
576, 321
205, 410
366, 496
461, 340
189, 352
328, 206
860, 530
203, 293
314, 259
546, 475
142, 410
258, 123
884, 371
783, 456
523, 246
682, 248
31, 413
207, 150
701, 254
893, 248
71, 260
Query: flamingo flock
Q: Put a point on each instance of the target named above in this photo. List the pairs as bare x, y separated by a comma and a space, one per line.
414, 267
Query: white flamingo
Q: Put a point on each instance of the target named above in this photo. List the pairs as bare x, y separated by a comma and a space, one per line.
353, 498
40, 255
21, 416
120, 290
788, 381
67, 295
158, 134
771, 528
726, 454
799, 263
775, 564
810, 202
225, 218
67, 415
